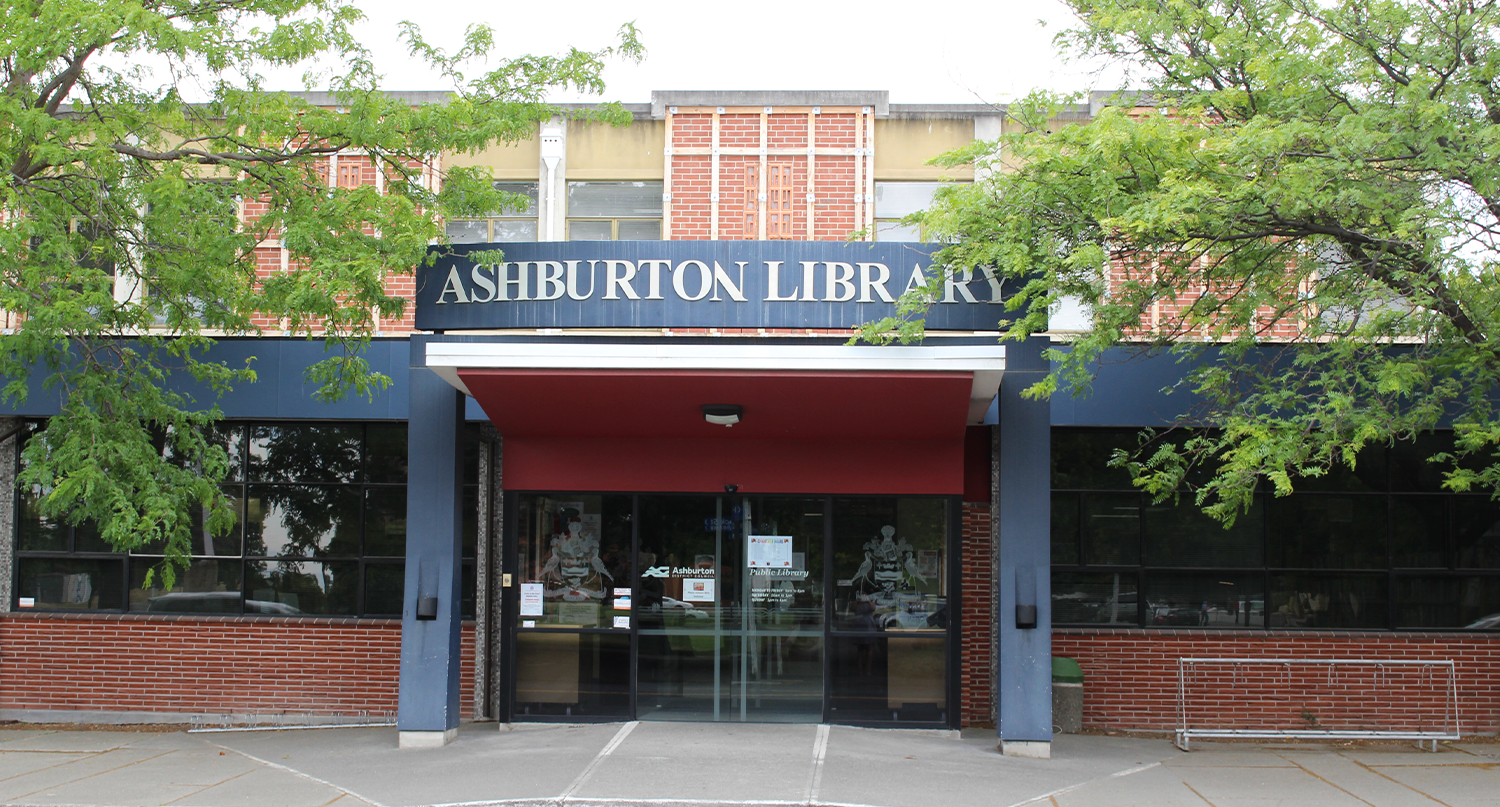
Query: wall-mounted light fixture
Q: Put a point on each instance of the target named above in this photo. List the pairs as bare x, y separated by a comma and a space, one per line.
723, 414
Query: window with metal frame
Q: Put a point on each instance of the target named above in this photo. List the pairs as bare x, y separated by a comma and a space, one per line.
320, 530
1379, 546
506, 226
614, 211
894, 201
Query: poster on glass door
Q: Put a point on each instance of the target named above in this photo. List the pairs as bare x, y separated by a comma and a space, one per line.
769, 552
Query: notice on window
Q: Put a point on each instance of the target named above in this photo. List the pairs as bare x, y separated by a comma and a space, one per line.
698, 590
531, 599
622, 622
769, 552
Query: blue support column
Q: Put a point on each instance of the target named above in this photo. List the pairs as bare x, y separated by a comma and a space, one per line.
428, 708
1023, 532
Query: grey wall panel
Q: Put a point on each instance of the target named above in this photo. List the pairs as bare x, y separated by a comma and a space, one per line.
281, 389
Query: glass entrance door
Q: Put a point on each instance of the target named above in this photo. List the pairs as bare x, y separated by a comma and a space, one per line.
729, 608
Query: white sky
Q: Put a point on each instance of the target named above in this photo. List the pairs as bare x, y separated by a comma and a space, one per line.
937, 51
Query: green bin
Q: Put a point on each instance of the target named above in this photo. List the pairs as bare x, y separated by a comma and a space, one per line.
1067, 695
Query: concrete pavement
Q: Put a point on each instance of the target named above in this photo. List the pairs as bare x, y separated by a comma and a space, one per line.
701, 765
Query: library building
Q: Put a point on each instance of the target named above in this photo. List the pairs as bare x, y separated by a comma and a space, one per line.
631, 467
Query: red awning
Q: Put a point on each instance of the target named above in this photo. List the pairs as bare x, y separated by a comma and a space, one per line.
802, 432
628, 416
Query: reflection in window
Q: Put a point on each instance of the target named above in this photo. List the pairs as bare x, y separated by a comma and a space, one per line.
1419, 532
201, 540
384, 585
301, 587
1080, 458
791, 600
614, 199
208, 585
35, 532
1112, 529
1064, 529
1315, 531
71, 584
1328, 601
1476, 532
385, 453
304, 521
1411, 469
1179, 534
895, 200
305, 453
385, 522
1432, 601
614, 211
1330, 555
1094, 598
326, 491
1205, 600
507, 226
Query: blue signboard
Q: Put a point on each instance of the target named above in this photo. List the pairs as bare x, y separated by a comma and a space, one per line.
691, 284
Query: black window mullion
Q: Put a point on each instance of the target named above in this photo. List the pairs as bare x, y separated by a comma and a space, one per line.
1272, 514
1078, 529
829, 590
1390, 557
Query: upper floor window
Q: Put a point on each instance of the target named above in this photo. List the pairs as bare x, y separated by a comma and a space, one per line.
614, 211
503, 227
893, 201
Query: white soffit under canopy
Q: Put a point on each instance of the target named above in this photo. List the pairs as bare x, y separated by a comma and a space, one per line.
986, 362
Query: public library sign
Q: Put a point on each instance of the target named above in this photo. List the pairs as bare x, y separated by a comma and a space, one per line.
690, 284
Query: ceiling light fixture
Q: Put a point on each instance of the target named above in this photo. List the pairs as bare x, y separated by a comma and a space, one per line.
723, 414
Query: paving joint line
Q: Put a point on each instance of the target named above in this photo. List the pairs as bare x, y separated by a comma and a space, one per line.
820, 752
1053, 794
83, 755
100, 773
1309, 772
214, 785
563, 801
1195, 792
609, 748
295, 772
1398, 781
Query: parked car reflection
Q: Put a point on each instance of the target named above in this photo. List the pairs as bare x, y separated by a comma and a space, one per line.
1491, 622
215, 602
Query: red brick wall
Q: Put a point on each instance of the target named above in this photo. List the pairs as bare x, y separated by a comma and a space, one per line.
353, 171
1130, 679
833, 177
975, 697
207, 664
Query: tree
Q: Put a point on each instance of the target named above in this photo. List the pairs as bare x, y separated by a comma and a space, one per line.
1303, 206
146, 162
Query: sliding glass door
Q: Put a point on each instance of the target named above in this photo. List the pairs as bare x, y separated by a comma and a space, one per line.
729, 609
